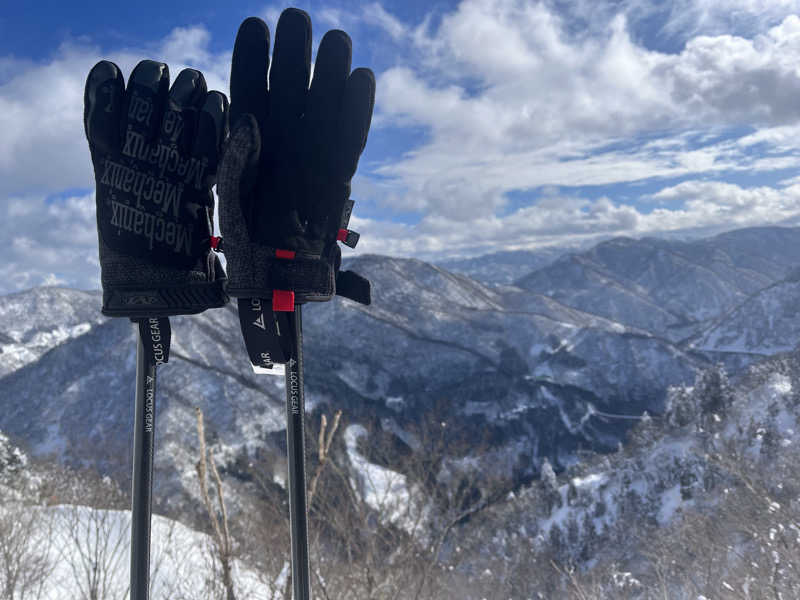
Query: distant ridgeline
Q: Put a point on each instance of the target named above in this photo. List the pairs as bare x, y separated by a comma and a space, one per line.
563, 360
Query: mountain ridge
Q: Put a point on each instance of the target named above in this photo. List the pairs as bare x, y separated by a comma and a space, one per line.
529, 371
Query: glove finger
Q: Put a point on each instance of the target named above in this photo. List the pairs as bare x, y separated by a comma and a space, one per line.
102, 106
188, 90
185, 99
145, 99
249, 71
322, 123
357, 105
291, 68
212, 129
325, 98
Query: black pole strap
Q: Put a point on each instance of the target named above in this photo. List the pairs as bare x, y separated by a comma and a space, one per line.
152, 349
155, 334
267, 334
295, 444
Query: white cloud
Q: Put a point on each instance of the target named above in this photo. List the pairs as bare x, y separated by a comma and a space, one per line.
688, 18
50, 242
673, 22
375, 14
512, 97
717, 204
694, 207
508, 73
731, 79
41, 108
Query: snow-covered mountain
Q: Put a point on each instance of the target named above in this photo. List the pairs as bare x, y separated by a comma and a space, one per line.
44, 320
707, 484
522, 371
546, 368
508, 377
767, 323
504, 267
669, 287
76, 401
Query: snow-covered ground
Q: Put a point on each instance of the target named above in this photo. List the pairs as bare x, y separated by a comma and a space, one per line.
84, 548
384, 490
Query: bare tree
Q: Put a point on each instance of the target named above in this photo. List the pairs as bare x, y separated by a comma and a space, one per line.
324, 441
377, 532
26, 559
95, 547
217, 515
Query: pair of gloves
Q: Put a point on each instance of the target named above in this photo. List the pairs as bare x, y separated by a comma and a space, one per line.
282, 174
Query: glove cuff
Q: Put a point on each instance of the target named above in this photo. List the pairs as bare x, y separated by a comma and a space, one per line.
163, 301
311, 280
135, 289
258, 270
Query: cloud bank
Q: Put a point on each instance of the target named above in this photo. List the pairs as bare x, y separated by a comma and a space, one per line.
514, 100
499, 124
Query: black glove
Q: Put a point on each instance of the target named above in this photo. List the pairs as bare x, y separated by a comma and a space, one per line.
284, 180
155, 153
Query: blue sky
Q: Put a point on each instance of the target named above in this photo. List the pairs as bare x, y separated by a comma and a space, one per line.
499, 124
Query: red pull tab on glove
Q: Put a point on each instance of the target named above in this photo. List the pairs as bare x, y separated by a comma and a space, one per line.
348, 237
282, 301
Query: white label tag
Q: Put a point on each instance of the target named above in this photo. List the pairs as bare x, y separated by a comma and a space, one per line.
277, 369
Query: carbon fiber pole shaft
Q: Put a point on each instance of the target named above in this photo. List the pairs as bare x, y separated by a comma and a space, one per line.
295, 444
142, 492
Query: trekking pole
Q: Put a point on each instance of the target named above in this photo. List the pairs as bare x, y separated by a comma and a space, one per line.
152, 349
273, 336
295, 446
142, 487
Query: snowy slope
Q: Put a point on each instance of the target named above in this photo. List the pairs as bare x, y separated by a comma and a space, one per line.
593, 511
504, 267
72, 540
54, 546
669, 287
524, 371
36, 321
520, 369
766, 323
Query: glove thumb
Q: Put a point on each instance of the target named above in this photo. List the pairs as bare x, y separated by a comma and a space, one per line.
237, 176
